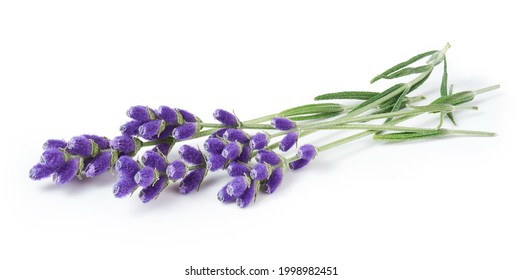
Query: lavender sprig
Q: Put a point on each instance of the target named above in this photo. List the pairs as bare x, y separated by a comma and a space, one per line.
255, 160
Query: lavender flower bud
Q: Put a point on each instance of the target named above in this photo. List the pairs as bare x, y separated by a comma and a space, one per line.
248, 195
125, 186
167, 132
274, 180
245, 154
307, 152
82, 146
282, 123
176, 170
226, 118
127, 167
224, 197
298, 164
233, 134
185, 131
152, 129
216, 162
214, 146
52, 158
191, 155
288, 141
236, 169
260, 171
259, 141
153, 191
192, 180
163, 148
237, 186
131, 128
268, 156
219, 133
102, 142
40, 171
168, 114
187, 116
140, 113
124, 144
146, 177
67, 171
54, 143
153, 159
232, 150
99, 164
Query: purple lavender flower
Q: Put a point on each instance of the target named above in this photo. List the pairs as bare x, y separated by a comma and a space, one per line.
274, 180
131, 128
40, 171
152, 129
124, 187
167, 132
282, 123
216, 162
54, 143
67, 171
259, 141
192, 180
224, 197
99, 164
102, 142
233, 134
191, 155
236, 169
163, 148
268, 156
153, 191
176, 170
245, 154
218, 133
82, 146
247, 196
153, 159
260, 171
298, 164
146, 177
232, 150
124, 144
185, 131
237, 186
226, 118
214, 146
52, 158
307, 152
187, 116
140, 113
127, 167
288, 141
168, 114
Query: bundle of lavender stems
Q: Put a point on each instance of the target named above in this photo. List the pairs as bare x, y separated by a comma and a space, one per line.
254, 152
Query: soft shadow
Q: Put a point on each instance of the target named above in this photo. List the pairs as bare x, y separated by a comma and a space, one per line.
76, 186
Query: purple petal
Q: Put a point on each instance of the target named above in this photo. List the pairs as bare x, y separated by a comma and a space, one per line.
216, 162
52, 158
237, 186
231, 151
233, 134
282, 123
102, 142
307, 152
214, 145
176, 170
40, 171
80, 145
146, 177
153, 159
152, 192
288, 141
226, 117
260, 172
259, 141
191, 155
127, 167
187, 116
236, 169
274, 180
248, 195
124, 144
131, 128
298, 164
224, 197
168, 114
54, 143
124, 187
163, 148
67, 171
99, 164
184, 131
152, 129
219, 133
245, 154
140, 113
268, 156
192, 180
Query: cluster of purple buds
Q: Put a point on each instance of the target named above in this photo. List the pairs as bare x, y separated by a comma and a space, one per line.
290, 139
88, 155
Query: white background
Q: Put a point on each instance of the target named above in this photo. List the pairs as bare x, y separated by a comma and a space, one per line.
440, 209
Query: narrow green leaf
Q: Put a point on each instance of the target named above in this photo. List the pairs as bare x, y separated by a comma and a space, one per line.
444, 83
314, 108
408, 71
408, 136
378, 96
402, 65
360, 95
455, 99
314, 116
